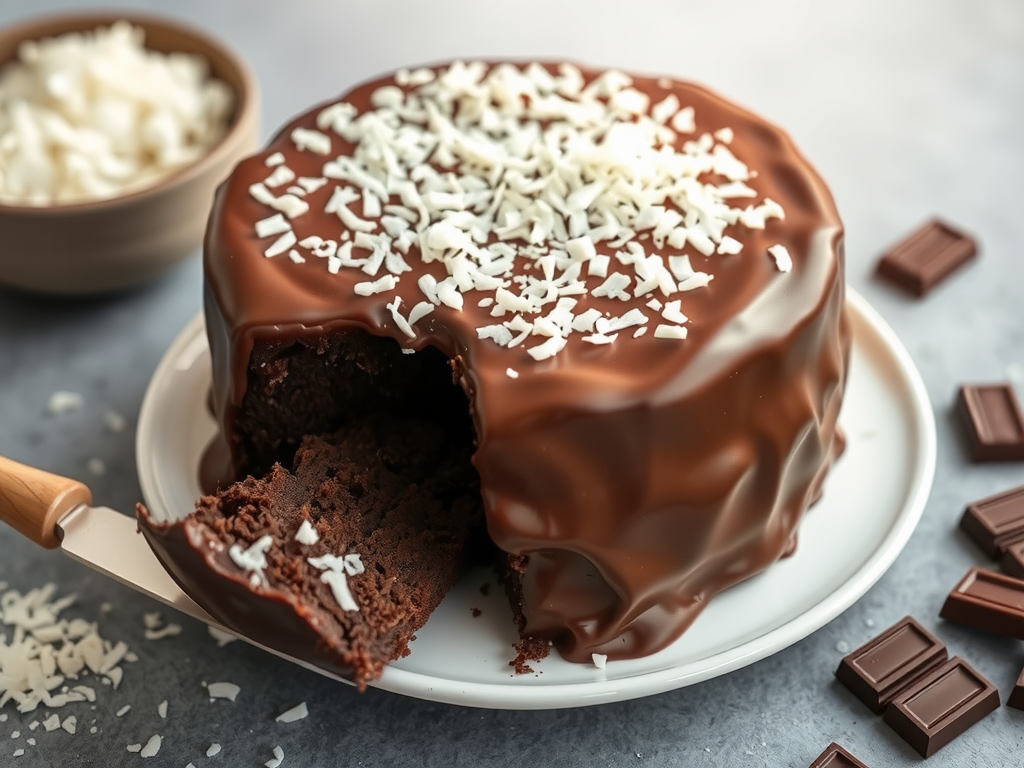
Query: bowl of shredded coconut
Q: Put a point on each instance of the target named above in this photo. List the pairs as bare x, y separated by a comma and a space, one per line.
114, 133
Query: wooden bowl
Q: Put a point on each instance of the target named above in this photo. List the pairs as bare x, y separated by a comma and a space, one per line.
114, 243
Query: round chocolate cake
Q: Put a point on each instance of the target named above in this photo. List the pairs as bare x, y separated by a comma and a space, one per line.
622, 296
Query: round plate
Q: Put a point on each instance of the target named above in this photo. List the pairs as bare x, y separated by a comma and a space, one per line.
872, 501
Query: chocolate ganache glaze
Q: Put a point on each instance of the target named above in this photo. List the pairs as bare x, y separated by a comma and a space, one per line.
637, 478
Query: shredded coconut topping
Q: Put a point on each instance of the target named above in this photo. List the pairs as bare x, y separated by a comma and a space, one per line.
335, 569
530, 186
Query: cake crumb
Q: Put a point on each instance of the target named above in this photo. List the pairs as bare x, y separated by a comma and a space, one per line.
529, 649
485, 589
476, 612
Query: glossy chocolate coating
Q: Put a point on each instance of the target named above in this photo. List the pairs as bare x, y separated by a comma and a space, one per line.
640, 477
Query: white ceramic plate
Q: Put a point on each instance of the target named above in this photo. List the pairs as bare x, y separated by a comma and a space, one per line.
871, 504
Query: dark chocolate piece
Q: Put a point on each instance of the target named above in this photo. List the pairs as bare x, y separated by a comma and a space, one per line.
1016, 698
941, 706
835, 756
987, 600
884, 667
993, 421
996, 522
922, 260
1013, 559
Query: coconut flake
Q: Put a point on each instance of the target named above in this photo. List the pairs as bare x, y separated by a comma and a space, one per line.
222, 690
272, 225
222, 637
307, 140
783, 260
307, 534
600, 660
253, 559
277, 759
64, 402
213, 750
670, 332
298, 712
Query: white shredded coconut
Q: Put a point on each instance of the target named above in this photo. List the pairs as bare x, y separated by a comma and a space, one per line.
334, 570
93, 114
600, 660
64, 402
783, 260
277, 759
307, 534
222, 637
253, 559
161, 709
512, 373
213, 750
152, 746
298, 712
462, 150
222, 691
114, 421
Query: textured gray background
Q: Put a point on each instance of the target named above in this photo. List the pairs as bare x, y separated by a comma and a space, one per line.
908, 109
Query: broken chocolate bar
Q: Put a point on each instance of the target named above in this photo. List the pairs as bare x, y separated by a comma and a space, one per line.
994, 523
927, 256
941, 706
1013, 559
887, 665
987, 600
993, 421
1016, 697
835, 756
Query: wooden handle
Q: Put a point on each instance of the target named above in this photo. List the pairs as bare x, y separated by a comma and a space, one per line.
32, 501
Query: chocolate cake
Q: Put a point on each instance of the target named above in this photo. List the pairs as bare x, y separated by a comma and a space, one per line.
637, 286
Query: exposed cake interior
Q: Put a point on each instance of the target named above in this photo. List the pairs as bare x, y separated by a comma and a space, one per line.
357, 534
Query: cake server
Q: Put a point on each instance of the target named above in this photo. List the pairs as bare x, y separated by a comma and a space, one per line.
56, 512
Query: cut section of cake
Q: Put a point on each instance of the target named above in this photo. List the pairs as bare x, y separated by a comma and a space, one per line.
339, 561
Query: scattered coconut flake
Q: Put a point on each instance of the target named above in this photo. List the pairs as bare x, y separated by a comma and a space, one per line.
307, 534
278, 758
600, 660
96, 467
152, 746
512, 373
15, 734
134, 747
213, 750
30, 742
298, 712
563, 192
18, 752
275, 159
673, 314
222, 637
64, 402
281, 175
222, 691
670, 332
382, 285
253, 559
783, 260
282, 244
114, 421
312, 141
70, 724
170, 630
273, 225
161, 709
52, 723
124, 710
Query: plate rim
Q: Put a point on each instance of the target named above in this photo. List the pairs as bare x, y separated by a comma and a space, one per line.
598, 691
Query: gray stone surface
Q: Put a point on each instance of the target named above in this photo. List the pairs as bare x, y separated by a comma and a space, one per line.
908, 109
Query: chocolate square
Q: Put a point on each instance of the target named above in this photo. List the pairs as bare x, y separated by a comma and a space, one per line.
1013, 560
996, 521
993, 422
941, 706
885, 666
927, 256
836, 756
987, 600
